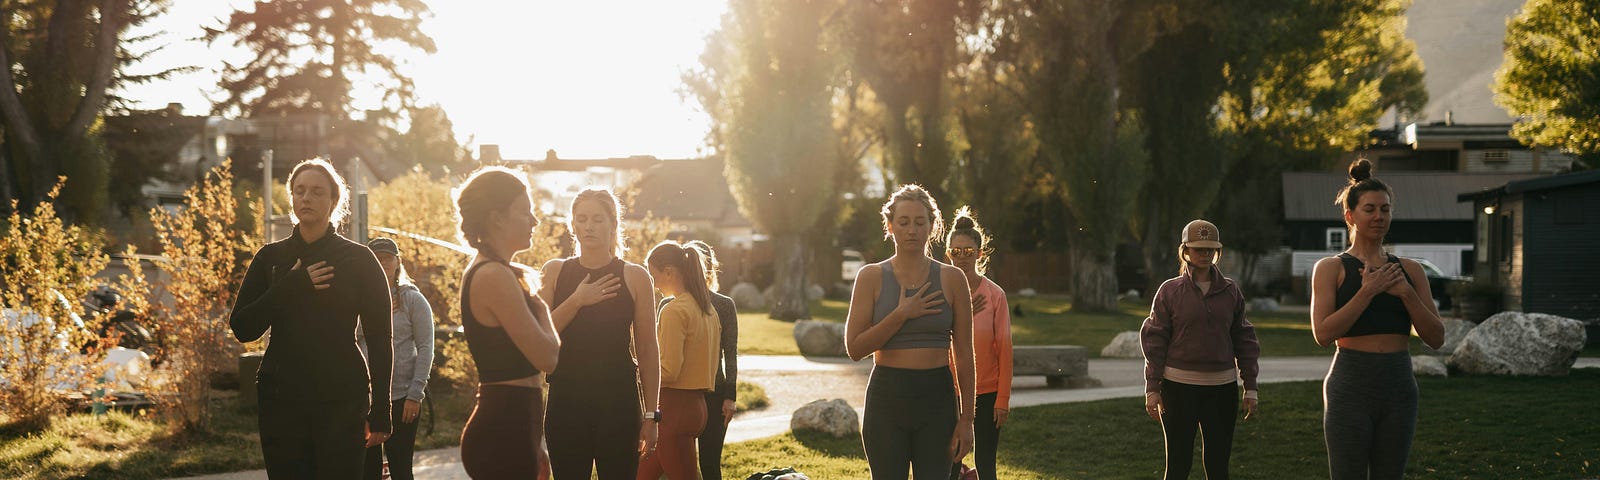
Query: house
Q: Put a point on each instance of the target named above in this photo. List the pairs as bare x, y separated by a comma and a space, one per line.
1535, 239
557, 180
694, 196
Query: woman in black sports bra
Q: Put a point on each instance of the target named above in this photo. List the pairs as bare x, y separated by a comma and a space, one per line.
1367, 302
508, 329
914, 316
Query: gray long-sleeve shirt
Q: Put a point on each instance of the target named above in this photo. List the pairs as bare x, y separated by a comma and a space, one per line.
413, 344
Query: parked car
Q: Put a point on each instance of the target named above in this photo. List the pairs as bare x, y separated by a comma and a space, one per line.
1438, 283
851, 264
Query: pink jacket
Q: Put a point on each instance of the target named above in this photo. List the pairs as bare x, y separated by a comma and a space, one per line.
991, 344
1201, 331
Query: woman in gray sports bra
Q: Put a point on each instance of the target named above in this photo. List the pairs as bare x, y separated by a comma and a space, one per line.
908, 312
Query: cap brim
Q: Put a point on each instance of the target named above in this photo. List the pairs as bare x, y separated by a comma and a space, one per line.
1205, 244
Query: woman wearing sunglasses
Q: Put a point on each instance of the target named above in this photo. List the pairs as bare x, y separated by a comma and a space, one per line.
967, 248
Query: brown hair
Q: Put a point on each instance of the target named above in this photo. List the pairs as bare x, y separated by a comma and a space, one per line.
340, 191
488, 191
1361, 182
966, 224
686, 261
613, 207
708, 263
915, 193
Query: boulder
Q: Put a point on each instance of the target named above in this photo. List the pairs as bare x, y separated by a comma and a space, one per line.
1516, 343
1264, 304
1126, 345
819, 339
1455, 330
815, 292
746, 295
1027, 292
834, 417
1426, 365
1061, 365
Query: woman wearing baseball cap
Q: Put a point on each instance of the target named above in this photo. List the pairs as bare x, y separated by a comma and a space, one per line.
1197, 347
412, 327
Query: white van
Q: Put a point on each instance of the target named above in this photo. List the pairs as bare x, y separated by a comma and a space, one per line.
850, 265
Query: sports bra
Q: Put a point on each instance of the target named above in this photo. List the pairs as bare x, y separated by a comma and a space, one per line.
928, 331
1385, 314
497, 357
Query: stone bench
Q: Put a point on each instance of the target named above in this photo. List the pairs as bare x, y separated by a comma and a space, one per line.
1057, 363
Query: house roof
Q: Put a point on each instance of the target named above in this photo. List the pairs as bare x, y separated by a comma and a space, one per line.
1535, 184
687, 190
1419, 195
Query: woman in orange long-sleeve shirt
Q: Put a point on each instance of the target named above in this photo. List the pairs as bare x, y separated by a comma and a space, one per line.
967, 247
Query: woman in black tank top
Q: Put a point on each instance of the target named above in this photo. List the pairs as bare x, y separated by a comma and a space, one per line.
604, 312
508, 330
1368, 302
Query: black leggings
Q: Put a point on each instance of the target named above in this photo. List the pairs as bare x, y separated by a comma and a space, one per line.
312, 439
594, 427
711, 439
1369, 414
1212, 408
399, 447
910, 417
986, 437
501, 438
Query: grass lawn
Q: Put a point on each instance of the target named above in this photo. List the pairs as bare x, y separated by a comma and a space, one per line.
1046, 320
1470, 428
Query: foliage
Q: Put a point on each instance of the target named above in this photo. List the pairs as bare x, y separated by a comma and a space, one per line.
751, 397
45, 266
766, 81
63, 59
1548, 80
429, 144
204, 250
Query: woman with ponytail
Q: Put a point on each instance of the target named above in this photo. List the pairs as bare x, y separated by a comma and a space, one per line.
604, 312
508, 329
967, 248
720, 402
1198, 347
1367, 302
689, 335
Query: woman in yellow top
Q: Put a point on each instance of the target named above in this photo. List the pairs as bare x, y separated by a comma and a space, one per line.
688, 336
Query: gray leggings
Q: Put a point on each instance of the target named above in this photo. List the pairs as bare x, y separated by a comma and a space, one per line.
909, 419
1369, 414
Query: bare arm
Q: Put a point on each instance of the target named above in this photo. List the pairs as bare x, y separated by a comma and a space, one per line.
1328, 323
644, 332
955, 289
1419, 305
589, 292
498, 298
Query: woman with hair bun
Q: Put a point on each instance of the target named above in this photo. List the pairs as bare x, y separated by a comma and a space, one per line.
1367, 302
689, 335
604, 312
967, 248
508, 329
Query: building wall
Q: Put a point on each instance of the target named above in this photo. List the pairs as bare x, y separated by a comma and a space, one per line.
1562, 258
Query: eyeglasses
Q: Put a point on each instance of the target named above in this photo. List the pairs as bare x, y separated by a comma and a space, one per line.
963, 252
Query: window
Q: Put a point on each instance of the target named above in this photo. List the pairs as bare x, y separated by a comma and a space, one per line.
1507, 230
1335, 238
1496, 156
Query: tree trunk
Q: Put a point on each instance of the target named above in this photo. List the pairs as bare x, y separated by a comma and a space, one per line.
1094, 279
1160, 254
789, 285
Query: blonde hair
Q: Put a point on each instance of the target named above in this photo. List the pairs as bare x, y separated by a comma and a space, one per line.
613, 207
915, 193
337, 188
487, 191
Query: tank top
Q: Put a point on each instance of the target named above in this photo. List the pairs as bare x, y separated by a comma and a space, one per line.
1385, 314
497, 357
928, 331
597, 345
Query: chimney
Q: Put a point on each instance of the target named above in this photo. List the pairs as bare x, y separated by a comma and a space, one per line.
1449, 117
174, 109
489, 153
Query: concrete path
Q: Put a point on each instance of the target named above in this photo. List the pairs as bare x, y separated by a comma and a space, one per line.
793, 381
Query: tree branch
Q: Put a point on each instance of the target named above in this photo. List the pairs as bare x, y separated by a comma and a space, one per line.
16, 117
105, 64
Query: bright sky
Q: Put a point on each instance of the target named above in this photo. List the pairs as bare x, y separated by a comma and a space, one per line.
589, 79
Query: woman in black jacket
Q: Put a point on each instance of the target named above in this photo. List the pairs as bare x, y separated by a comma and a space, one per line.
321, 403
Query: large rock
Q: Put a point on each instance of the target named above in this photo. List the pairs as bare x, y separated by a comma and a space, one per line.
1455, 330
746, 295
1264, 304
1061, 365
1426, 365
819, 339
1126, 345
833, 417
815, 292
1516, 343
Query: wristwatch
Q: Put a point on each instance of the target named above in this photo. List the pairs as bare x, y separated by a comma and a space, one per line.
654, 416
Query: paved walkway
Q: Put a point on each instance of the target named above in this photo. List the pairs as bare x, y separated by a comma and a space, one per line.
792, 381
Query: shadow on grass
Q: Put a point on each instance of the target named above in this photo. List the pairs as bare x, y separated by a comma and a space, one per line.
828, 445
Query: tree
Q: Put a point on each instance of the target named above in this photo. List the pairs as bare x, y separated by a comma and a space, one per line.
767, 82
62, 60
1549, 79
429, 143
906, 51
1069, 56
992, 115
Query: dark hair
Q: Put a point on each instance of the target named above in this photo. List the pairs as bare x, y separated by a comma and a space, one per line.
488, 191
686, 261
1361, 182
966, 224
337, 188
915, 193
608, 201
708, 263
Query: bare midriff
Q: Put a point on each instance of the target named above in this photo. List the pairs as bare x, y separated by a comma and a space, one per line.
1380, 343
912, 358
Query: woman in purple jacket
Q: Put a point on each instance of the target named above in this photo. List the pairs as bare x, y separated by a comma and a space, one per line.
1197, 347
